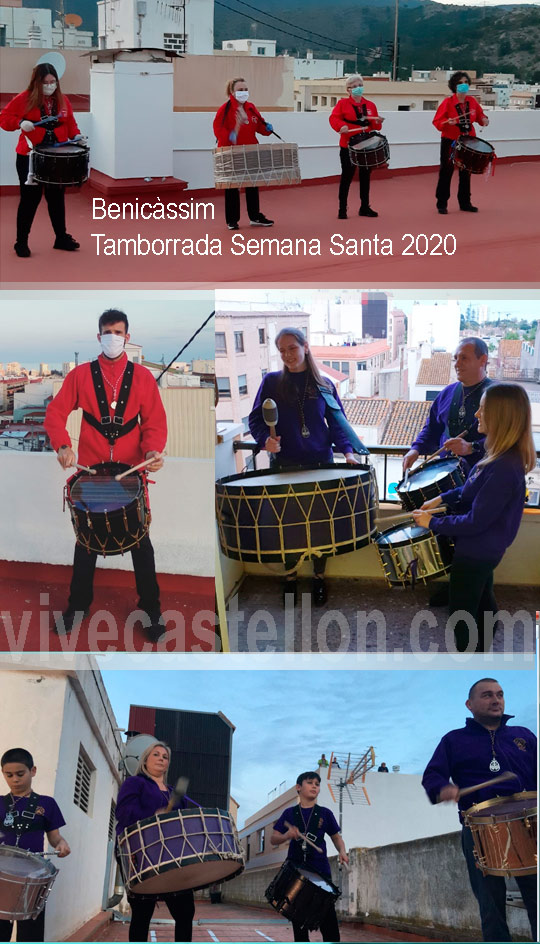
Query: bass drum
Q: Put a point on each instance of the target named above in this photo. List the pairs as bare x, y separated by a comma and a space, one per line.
63, 166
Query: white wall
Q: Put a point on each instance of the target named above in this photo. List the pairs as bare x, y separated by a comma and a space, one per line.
318, 68
34, 528
119, 23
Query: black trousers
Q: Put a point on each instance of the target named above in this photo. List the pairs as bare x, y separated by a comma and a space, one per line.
32, 930
181, 909
82, 581
471, 589
30, 200
232, 204
490, 893
446, 171
329, 928
347, 174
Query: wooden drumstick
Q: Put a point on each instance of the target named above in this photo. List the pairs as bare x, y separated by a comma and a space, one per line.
305, 838
85, 468
507, 775
141, 465
178, 793
435, 454
409, 514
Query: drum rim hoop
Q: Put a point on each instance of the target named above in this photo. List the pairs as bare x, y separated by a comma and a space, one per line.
236, 858
397, 527
173, 814
259, 473
382, 142
498, 801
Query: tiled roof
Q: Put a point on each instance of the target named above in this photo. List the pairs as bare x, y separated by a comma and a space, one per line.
330, 372
367, 411
508, 348
436, 370
405, 422
341, 352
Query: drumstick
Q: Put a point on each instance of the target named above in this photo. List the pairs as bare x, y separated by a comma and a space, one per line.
435, 454
507, 775
305, 838
45, 121
408, 514
141, 465
86, 468
177, 793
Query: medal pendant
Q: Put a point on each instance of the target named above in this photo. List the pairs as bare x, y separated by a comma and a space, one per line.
304, 847
494, 766
113, 405
305, 432
9, 819
461, 412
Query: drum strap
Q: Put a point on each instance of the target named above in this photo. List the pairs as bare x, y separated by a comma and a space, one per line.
463, 115
455, 426
111, 427
341, 420
21, 822
315, 816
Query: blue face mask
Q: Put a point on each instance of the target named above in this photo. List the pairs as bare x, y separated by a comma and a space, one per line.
463, 88
358, 91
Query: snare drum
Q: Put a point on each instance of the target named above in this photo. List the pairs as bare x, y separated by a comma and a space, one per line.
369, 150
412, 554
301, 896
108, 517
254, 165
504, 832
429, 480
63, 166
184, 849
472, 154
263, 517
25, 882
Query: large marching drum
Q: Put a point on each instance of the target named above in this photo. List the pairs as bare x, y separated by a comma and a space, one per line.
301, 896
108, 516
473, 154
63, 165
430, 479
25, 882
504, 831
256, 165
370, 150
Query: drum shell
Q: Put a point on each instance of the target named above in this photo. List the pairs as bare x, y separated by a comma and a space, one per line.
466, 157
293, 895
181, 850
254, 165
368, 156
23, 896
334, 517
412, 498
432, 552
505, 842
111, 532
61, 166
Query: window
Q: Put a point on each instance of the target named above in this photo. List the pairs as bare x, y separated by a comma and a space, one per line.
432, 394
262, 336
361, 365
404, 108
345, 367
299, 106
248, 849
261, 51
324, 100
314, 99
83, 781
224, 387
333, 100
221, 343
261, 840
242, 385
112, 817
245, 423
239, 342
335, 365
326, 363
429, 106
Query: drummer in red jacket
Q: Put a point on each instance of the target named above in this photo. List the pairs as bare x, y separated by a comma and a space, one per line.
42, 98
455, 116
239, 122
351, 116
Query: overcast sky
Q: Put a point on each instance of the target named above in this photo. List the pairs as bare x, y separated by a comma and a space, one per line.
284, 719
51, 326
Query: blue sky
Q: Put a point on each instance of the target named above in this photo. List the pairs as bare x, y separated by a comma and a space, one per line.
284, 719
50, 326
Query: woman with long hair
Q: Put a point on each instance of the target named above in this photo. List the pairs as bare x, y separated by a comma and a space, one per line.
486, 511
143, 795
42, 99
456, 115
238, 122
306, 426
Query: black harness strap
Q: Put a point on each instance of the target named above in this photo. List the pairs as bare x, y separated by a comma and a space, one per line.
111, 427
21, 822
314, 818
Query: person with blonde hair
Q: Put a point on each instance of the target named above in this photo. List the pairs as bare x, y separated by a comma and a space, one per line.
310, 420
486, 511
239, 122
146, 794
354, 116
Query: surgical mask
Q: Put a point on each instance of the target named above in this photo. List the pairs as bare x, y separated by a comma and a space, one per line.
241, 96
112, 345
49, 88
462, 88
358, 91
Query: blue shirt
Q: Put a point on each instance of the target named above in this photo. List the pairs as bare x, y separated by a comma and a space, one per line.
295, 449
313, 861
140, 797
436, 430
464, 756
489, 508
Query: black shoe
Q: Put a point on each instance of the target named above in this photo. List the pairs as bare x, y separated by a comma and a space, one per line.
319, 592
22, 250
440, 595
367, 211
342, 215
261, 221
71, 619
469, 209
443, 211
232, 225
290, 587
66, 242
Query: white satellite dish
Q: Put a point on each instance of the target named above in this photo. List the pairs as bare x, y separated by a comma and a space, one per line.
58, 24
55, 59
132, 750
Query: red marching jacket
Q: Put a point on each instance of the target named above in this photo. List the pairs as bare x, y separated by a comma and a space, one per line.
149, 435
447, 109
226, 119
17, 110
344, 113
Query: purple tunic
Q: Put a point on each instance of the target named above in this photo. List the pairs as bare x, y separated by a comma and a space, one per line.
138, 798
47, 817
313, 861
435, 430
464, 756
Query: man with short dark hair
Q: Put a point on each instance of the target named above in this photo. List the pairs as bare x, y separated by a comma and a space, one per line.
129, 394
472, 755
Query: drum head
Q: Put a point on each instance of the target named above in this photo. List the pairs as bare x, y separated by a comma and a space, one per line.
476, 144
399, 535
431, 472
317, 880
19, 862
371, 143
64, 150
101, 492
296, 477
510, 807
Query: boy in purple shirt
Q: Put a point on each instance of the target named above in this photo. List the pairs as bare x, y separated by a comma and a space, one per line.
25, 818
307, 818
473, 754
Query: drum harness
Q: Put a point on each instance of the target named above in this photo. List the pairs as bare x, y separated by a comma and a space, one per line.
362, 122
24, 821
111, 427
300, 823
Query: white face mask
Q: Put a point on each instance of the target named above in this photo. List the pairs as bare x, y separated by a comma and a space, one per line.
49, 88
241, 96
112, 345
